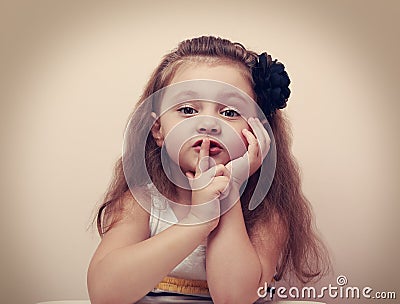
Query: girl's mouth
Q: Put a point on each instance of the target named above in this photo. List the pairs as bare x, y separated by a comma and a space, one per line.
215, 147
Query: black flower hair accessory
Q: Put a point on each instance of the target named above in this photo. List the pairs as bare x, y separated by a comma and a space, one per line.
271, 84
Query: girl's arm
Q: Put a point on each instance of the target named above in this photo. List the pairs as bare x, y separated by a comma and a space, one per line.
236, 266
128, 264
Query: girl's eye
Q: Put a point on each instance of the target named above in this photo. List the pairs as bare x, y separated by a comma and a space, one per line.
187, 110
230, 113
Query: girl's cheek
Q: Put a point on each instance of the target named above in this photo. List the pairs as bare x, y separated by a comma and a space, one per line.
236, 145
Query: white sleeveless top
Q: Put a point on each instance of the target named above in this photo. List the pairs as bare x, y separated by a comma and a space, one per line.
193, 267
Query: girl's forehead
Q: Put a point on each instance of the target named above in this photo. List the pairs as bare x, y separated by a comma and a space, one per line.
205, 90
228, 72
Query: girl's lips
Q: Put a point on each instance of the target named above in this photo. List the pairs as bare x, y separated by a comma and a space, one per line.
215, 147
215, 150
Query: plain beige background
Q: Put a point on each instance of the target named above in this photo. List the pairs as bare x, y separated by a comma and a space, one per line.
71, 73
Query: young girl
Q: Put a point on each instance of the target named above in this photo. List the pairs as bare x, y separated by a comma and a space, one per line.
189, 215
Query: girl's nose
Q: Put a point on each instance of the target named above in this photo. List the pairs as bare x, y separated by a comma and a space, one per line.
208, 125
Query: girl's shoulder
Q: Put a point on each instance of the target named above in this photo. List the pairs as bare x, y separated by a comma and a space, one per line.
129, 227
126, 210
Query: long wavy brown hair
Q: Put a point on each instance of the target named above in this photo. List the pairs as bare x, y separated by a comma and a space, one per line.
303, 254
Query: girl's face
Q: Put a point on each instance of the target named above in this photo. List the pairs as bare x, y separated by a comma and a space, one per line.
184, 125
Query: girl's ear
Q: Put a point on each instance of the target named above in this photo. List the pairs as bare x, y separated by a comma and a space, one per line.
156, 130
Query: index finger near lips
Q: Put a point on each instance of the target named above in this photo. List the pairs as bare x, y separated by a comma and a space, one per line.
203, 163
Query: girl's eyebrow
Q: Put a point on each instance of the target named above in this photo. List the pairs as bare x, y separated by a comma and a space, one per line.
185, 96
223, 96
231, 96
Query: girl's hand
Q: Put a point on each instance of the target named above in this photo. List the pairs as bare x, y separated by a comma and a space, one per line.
209, 184
259, 143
